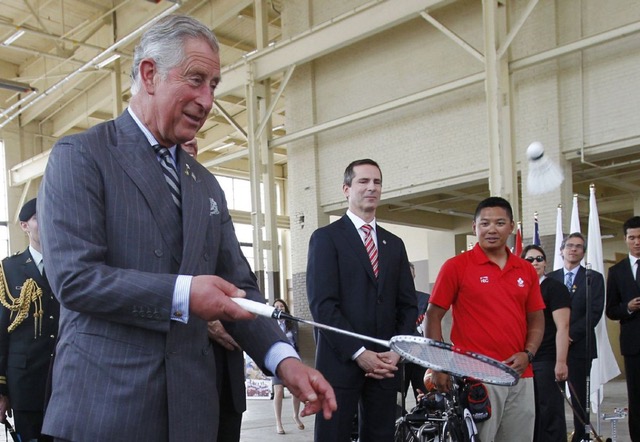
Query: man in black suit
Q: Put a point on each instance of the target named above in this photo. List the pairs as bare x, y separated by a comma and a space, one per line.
574, 276
360, 282
414, 373
229, 364
623, 304
28, 329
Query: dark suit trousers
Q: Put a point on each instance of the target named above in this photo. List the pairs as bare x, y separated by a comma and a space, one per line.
414, 375
578, 379
29, 425
230, 420
632, 371
376, 414
551, 425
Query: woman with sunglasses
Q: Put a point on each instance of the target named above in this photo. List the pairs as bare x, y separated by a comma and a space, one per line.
550, 362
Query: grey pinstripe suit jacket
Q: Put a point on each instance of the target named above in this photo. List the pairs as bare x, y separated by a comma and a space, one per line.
111, 234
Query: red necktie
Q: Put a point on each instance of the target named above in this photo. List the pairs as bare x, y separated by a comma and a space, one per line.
370, 245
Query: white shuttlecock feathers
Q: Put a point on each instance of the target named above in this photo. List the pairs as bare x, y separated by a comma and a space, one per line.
544, 175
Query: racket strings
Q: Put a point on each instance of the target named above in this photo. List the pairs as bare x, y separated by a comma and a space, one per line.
443, 357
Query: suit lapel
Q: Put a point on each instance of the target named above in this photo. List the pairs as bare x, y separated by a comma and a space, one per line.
30, 268
580, 279
355, 243
383, 255
133, 153
196, 202
629, 279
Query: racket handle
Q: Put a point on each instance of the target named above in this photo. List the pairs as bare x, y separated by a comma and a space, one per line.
257, 308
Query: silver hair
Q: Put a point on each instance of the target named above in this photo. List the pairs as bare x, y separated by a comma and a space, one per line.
164, 42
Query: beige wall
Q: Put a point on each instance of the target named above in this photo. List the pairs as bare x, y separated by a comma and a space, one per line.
588, 99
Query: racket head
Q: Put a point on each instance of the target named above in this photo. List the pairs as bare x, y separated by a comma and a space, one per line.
444, 357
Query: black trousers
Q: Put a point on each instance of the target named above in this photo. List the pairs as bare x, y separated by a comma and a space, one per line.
578, 369
414, 375
376, 408
28, 425
551, 425
632, 371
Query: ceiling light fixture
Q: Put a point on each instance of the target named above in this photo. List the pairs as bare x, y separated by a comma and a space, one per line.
19, 33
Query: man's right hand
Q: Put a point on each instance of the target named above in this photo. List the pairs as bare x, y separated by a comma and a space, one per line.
376, 365
209, 299
442, 381
5, 408
218, 333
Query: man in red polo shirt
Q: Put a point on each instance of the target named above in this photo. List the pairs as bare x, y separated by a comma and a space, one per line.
497, 311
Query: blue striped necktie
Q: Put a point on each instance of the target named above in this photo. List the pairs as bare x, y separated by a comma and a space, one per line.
170, 173
569, 281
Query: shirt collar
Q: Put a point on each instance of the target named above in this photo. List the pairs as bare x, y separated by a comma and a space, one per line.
633, 259
148, 135
37, 256
482, 257
359, 222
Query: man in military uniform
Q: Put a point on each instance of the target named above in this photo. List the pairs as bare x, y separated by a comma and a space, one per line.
28, 330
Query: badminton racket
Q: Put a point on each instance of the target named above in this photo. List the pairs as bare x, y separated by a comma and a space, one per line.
425, 352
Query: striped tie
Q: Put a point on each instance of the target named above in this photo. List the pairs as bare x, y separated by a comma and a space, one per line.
569, 281
170, 173
370, 245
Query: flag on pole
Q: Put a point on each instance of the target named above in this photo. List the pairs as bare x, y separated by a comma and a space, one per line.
604, 367
557, 260
536, 232
575, 222
575, 216
517, 249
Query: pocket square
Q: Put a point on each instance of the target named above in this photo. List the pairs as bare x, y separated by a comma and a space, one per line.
213, 207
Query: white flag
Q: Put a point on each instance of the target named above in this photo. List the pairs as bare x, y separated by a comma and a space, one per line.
557, 260
575, 216
575, 221
604, 367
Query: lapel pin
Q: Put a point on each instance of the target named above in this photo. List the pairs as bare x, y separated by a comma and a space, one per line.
187, 170
384, 241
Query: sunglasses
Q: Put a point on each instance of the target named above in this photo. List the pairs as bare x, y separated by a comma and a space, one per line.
539, 258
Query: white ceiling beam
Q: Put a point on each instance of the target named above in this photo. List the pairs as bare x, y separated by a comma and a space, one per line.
342, 31
27, 170
83, 106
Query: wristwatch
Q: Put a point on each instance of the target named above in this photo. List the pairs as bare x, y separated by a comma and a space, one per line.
529, 355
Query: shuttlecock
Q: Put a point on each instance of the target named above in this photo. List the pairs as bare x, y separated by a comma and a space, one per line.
544, 175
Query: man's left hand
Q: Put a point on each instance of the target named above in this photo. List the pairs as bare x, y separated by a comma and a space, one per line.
518, 361
308, 385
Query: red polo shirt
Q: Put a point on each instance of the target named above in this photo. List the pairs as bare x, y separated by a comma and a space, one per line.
489, 304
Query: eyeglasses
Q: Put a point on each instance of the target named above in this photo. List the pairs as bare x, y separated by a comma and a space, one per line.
573, 246
539, 258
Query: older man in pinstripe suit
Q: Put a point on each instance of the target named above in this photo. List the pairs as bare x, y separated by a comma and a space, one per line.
133, 264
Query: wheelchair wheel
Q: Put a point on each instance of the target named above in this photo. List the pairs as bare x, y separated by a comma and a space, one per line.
455, 430
403, 432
